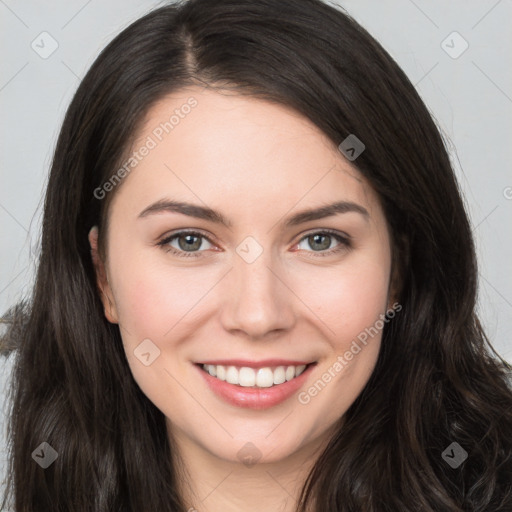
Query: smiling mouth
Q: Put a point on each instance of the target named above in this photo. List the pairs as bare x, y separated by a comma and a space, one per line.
247, 377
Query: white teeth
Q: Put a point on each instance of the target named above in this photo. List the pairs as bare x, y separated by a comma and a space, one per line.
250, 377
299, 370
279, 375
232, 375
264, 378
221, 373
246, 377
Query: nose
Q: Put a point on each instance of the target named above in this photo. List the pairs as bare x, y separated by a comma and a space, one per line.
258, 300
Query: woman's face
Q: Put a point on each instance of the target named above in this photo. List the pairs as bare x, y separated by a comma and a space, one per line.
258, 287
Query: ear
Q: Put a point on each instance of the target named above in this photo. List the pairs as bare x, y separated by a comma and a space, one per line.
107, 297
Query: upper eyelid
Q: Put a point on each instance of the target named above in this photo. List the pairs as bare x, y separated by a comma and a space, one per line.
174, 234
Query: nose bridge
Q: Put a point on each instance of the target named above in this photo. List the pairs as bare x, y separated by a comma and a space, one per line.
257, 300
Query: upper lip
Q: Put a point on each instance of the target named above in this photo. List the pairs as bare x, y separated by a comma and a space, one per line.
255, 364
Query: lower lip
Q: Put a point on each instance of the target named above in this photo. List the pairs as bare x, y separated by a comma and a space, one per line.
255, 398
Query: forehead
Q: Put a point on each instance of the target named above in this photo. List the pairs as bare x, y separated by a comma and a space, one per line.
217, 145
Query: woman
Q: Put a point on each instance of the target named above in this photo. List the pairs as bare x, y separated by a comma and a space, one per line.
257, 274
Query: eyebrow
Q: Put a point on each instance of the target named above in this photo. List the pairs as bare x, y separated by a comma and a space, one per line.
205, 213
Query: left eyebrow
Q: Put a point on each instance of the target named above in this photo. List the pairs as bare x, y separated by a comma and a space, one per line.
327, 211
205, 213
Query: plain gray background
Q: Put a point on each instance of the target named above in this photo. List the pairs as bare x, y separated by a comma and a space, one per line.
468, 90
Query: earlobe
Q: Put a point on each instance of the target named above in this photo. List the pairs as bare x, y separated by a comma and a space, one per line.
104, 288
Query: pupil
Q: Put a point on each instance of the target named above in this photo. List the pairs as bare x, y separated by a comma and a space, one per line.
188, 244
325, 245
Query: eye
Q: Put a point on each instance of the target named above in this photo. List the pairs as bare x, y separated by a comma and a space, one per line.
321, 240
189, 243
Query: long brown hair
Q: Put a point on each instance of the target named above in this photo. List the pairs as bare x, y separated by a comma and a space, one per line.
437, 380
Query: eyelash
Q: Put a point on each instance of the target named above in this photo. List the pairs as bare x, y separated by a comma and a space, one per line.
344, 243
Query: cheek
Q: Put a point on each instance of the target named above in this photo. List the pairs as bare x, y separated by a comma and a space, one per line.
348, 299
349, 305
151, 300
155, 303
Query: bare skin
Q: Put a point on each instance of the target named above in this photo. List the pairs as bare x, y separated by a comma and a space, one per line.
256, 163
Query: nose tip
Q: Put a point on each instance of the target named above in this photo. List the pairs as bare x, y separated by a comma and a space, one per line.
257, 302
